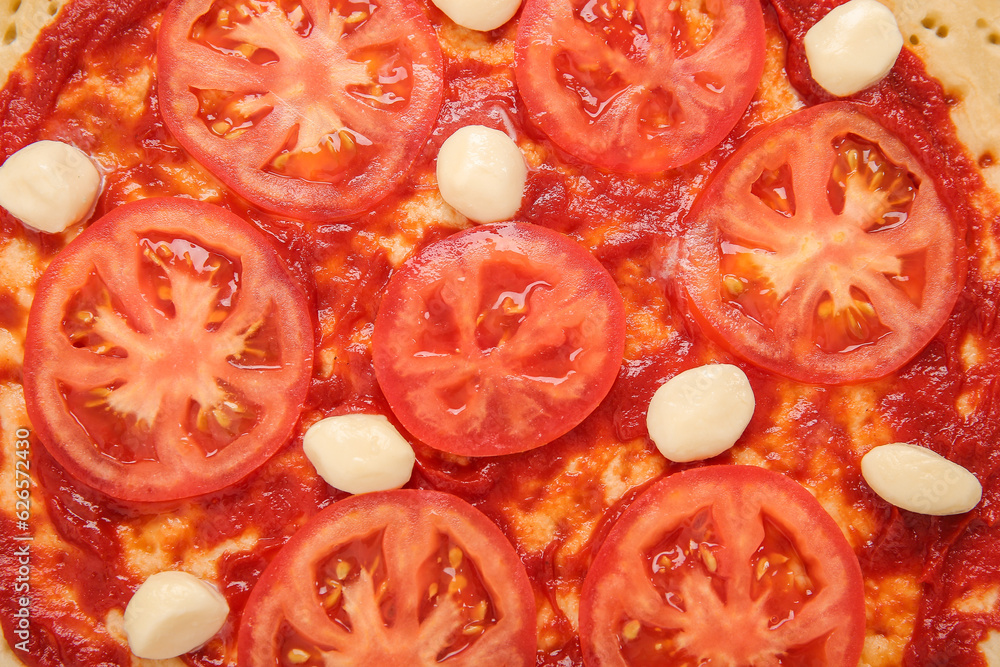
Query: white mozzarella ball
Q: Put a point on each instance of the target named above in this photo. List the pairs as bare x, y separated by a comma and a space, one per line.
173, 613
701, 412
359, 453
49, 185
920, 480
481, 173
853, 46
479, 14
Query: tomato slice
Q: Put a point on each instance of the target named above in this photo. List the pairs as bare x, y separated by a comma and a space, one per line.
313, 109
638, 86
724, 565
168, 351
821, 250
498, 339
401, 577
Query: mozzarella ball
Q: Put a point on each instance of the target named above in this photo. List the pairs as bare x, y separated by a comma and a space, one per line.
479, 14
49, 185
700, 413
359, 453
481, 173
173, 613
917, 479
853, 46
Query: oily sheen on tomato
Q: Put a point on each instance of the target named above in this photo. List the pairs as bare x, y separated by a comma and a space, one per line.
168, 352
312, 109
394, 578
639, 86
723, 565
498, 339
822, 250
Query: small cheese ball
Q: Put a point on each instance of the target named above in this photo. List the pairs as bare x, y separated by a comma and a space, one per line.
49, 185
481, 174
480, 15
920, 480
173, 613
700, 413
359, 453
853, 46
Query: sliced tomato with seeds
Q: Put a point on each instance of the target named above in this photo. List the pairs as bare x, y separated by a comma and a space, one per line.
724, 565
168, 351
313, 109
498, 339
639, 86
822, 251
391, 578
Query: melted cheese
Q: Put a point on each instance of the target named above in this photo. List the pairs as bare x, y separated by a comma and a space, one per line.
853, 46
359, 453
49, 185
701, 412
173, 613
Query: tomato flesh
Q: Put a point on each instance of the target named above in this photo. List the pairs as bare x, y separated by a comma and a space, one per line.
309, 109
153, 346
498, 339
395, 578
638, 86
822, 251
737, 543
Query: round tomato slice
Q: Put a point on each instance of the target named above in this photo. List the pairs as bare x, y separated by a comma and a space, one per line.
168, 351
725, 565
821, 250
313, 109
638, 86
394, 578
498, 339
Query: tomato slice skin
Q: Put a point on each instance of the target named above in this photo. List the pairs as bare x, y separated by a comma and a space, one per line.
157, 345
638, 87
393, 578
301, 107
498, 339
822, 250
709, 544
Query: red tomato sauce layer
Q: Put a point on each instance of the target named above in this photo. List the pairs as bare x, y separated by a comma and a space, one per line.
623, 221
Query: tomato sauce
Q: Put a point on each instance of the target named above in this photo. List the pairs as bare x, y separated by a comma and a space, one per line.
629, 224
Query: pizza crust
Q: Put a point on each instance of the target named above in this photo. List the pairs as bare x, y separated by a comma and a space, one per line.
20, 23
959, 42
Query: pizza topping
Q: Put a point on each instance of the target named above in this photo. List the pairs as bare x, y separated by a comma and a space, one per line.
359, 453
738, 543
173, 613
480, 15
917, 479
49, 185
822, 250
638, 87
313, 110
498, 339
396, 577
853, 46
481, 173
168, 351
700, 412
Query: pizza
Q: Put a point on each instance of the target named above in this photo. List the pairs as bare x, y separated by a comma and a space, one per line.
562, 332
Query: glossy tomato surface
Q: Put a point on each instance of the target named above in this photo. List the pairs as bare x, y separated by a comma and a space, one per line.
310, 109
822, 251
724, 565
168, 351
640, 86
394, 578
498, 339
